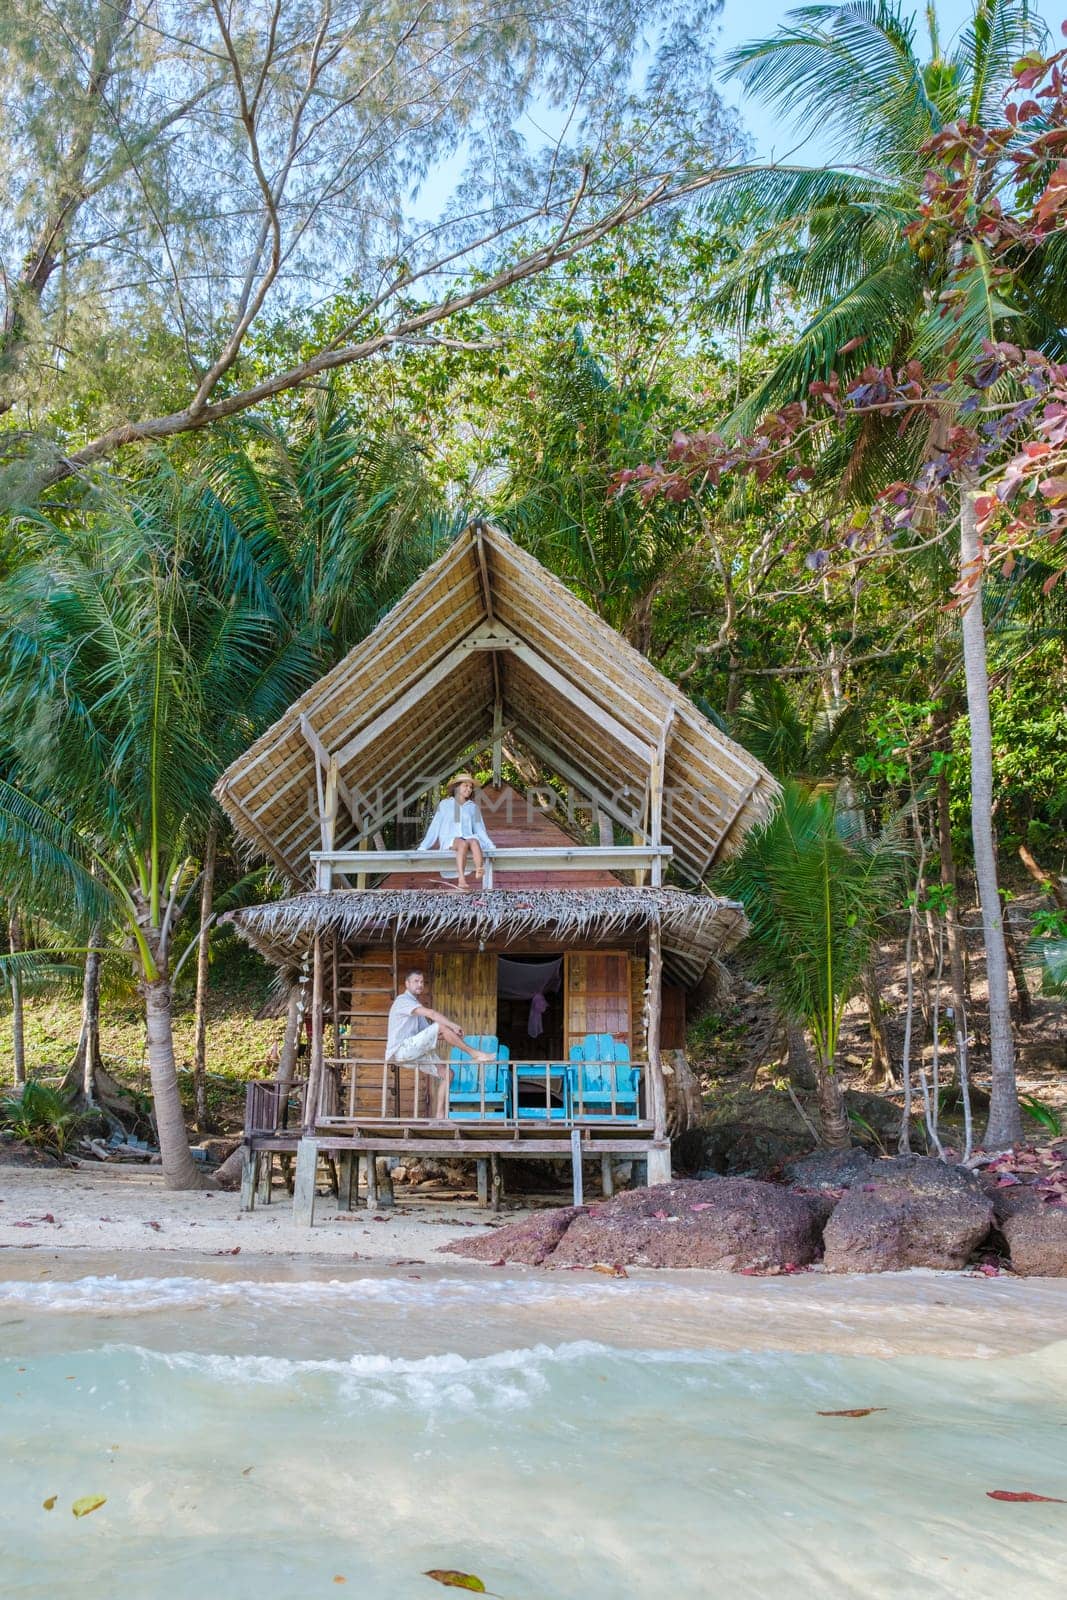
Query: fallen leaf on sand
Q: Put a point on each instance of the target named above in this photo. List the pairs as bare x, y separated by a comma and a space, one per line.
856, 1411
236, 1251
1024, 1494
158, 1226
50, 1503
246, 1471
612, 1271
456, 1580
339, 1578
88, 1503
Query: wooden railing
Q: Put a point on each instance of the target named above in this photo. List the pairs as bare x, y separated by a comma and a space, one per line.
560, 1083
274, 1107
359, 864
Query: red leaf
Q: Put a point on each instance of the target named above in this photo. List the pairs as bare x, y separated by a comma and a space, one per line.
1023, 1494
857, 1411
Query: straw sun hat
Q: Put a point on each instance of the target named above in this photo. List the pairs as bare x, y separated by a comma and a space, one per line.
461, 777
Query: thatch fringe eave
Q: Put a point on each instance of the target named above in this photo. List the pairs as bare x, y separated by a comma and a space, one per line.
695, 928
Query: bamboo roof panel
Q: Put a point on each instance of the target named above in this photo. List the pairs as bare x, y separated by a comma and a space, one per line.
421, 689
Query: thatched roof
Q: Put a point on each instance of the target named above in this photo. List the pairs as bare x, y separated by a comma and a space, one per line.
486, 632
695, 928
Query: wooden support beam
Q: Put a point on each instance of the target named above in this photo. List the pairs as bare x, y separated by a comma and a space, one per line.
597, 714
401, 707
655, 795
307, 1166
657, 1087
576, 1165
315, 1069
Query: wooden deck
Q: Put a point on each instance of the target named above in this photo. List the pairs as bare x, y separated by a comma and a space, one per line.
347, 1143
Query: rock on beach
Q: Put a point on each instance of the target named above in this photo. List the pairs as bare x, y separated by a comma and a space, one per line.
732, 1224
912, 1211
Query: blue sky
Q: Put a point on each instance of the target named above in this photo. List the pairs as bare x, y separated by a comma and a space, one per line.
740, 21
743, 20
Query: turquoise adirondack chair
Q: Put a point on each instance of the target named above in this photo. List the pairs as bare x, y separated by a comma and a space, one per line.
592, 1064
465, 1095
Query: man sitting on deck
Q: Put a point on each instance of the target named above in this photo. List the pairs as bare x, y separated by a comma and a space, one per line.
412, 1042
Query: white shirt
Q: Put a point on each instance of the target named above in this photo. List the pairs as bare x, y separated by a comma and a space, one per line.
452, 821
403, 1022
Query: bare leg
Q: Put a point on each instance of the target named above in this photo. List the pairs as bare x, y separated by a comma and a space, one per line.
477, 858
461, 862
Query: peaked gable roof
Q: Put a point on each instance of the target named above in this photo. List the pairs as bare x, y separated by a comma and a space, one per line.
487, 639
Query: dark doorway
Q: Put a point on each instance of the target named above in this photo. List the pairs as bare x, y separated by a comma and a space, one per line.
530, 996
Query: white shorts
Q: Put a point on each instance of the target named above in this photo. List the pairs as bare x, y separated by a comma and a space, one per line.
419, 1050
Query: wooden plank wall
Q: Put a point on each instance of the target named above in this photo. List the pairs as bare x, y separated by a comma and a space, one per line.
461, 984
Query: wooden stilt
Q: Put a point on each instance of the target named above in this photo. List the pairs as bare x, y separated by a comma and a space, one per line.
307, 1163
496, 1182
607, 1185
386, 1195
346, 1167
576, 1165
372, 1181
249, 1164
658, 1164
264, 1179
483, 1182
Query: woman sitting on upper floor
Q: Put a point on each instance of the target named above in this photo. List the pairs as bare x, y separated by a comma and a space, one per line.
457, 825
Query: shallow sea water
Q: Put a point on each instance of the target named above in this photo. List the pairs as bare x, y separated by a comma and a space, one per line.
564, 1439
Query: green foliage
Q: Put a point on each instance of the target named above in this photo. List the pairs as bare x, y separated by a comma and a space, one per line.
1042, 1113
814, 890
40, 1116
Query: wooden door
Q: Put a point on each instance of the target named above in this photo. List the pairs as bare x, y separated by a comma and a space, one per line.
597, 995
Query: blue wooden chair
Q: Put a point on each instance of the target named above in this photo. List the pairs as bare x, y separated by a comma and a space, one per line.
465, 1095
593, 1063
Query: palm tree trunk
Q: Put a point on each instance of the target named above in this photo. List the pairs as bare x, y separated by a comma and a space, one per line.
18, 1031
1004, 1127
81, 1074
179, 1169
207, 894
833, 1118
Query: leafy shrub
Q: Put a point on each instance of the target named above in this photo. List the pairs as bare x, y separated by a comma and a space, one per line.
40, 1116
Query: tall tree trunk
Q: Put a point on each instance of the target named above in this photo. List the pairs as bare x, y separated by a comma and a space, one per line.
953, 932
833, 1118
881, 1060
179, 1169
18, 1029
291, 1039
203, 962
1004, 1127
1024, 1008
81, 1074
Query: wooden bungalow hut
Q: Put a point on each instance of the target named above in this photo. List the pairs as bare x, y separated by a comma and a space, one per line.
489, 655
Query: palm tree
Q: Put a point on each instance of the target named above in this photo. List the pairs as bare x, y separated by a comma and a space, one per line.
320, 518
127, 677
837, 239
813, 889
